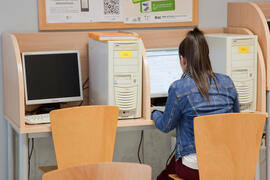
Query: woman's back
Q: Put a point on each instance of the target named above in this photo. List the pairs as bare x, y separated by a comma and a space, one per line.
222, 97
199, 92
186, 102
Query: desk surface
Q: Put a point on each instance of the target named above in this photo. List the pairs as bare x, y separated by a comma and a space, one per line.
39, 128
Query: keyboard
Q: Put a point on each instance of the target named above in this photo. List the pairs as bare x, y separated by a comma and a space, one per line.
160, 108
37, 118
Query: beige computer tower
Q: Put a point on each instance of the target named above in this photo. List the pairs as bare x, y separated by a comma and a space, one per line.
236, 56
115, 75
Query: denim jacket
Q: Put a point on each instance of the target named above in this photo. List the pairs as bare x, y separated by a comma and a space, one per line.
185, 102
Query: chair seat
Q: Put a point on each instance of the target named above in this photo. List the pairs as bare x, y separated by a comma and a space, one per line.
102, 171
175, 177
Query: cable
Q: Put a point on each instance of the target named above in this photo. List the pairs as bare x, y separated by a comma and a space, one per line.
170, 156
143, 150
83, 87
81, 103
33, 111
30, 155
28, 142
139, 148
85, 83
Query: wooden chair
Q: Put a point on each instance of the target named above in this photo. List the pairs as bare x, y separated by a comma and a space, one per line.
84, 134
102, 171
228, 145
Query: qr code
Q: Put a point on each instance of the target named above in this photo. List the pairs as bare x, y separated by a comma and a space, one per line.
111, 7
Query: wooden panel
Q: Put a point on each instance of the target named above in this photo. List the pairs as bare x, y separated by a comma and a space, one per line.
146, 101
30, 42
162, 38
167, 38
13, 81
84, 134
228, 144
135, 122
103, 171
261, 85
265, 7
43, 25
39, 128
261, 74
250, 16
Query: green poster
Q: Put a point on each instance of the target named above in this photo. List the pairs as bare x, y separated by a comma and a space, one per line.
168, 5
157, 5
137, 1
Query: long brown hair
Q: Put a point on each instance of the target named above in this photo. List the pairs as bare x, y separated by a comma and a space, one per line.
194, 49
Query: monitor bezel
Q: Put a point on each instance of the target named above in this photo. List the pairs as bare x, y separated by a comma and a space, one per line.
268, 23
163, 49
52, 100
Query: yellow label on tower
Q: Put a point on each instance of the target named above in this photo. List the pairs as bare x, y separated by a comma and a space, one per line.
125, 54
243, 49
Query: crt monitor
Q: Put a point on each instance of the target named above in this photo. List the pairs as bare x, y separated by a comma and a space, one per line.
52, 77
164, 67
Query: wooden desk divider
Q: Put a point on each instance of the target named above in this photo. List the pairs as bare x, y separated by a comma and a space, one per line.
16, 43
253, 16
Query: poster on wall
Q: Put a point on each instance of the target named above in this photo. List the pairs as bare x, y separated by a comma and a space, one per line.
68, 11
157, 11
107, 10
127, 11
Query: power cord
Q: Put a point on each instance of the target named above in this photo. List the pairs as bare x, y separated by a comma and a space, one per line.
85, 83
30, 155
139, 148
170, 156
81, 103
84, 87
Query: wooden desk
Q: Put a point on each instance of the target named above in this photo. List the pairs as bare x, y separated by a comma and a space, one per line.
46, 128
16, 43
14, 111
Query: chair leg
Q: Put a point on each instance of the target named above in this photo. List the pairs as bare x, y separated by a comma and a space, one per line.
175, 177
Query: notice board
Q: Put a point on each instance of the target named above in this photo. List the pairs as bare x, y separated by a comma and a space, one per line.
116, 14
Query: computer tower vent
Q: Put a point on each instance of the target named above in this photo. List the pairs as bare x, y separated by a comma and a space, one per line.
126, 98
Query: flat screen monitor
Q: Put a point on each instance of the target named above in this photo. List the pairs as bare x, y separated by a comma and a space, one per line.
52, 77
164, 67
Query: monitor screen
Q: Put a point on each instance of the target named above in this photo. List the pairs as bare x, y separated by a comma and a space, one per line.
52, 76
164, 67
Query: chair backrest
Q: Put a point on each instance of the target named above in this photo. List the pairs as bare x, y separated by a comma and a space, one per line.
84, 134
102, 171
227, 145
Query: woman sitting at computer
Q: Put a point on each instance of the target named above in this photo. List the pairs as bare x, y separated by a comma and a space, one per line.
200, 91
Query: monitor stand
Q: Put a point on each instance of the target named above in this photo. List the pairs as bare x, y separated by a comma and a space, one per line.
158, 101
46, 108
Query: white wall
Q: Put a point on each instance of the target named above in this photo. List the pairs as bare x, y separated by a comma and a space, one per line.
213, 13
22, 16
15, 16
